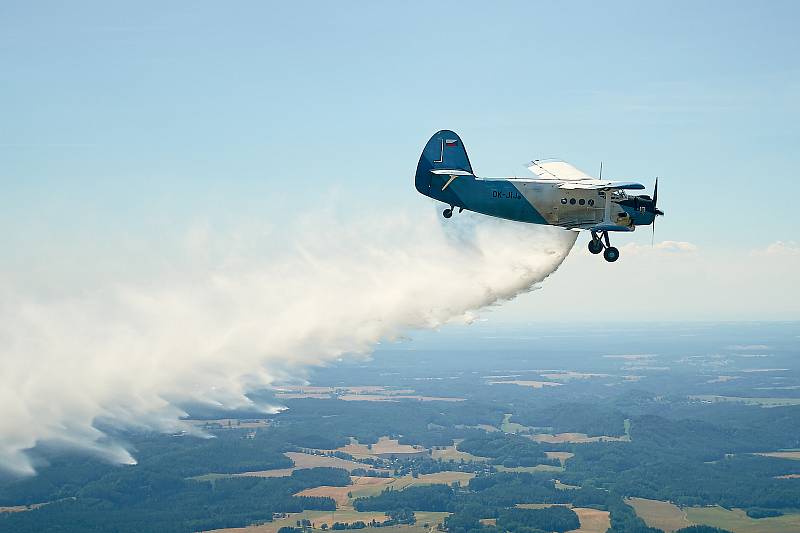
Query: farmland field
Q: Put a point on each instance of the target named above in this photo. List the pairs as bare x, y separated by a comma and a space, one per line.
662, 515
440, 478
451, 453
781, 455
385, 446
592, 520
737, 521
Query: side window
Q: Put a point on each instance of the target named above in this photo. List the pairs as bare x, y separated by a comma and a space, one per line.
591, 202
581, 201
564, 201
572, 201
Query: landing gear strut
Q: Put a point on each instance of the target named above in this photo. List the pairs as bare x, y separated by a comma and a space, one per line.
602, 244
447, 213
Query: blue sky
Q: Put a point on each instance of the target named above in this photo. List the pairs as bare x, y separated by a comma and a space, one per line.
123, 122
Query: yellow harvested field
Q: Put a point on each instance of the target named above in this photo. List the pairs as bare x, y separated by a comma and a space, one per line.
575, 438
662, 515
342, 494
384, 446
564, 486
592, 520
339, 494
736, 520
21, 508
525, 383
277, 472
782, 455
788, 476
561, 456
451, 453
307, 460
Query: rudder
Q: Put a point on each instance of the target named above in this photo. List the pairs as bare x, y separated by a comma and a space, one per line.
444, 151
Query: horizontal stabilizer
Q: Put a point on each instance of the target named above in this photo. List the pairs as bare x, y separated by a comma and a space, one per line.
451, 172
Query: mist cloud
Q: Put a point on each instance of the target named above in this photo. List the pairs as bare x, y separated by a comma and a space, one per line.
230, 316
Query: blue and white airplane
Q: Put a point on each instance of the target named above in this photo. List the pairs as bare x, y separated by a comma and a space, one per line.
558, 195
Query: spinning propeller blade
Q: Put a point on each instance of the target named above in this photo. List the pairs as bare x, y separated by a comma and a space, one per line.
656, 212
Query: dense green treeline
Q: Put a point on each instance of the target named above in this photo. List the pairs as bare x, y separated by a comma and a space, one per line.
145, 500
495, 497
557, 518
592, 419
327, 424
506, 449
685, 461
63, 474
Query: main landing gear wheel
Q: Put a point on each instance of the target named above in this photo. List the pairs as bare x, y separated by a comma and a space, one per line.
595, 246
611, 254
447, 213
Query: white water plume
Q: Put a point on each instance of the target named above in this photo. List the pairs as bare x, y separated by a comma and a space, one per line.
129, 351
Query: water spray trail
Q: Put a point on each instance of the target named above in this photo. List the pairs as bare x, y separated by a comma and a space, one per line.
130, 352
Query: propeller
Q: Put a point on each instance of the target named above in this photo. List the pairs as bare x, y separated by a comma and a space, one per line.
656, 212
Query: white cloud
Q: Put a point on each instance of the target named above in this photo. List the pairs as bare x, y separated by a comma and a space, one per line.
780, 249
659, 247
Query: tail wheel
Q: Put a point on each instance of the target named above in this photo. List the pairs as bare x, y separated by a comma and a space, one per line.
595, 246
611, 254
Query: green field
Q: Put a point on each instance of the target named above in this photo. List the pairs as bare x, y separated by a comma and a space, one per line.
737, 521
512, 427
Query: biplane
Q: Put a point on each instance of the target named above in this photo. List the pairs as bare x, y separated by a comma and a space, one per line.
558, 194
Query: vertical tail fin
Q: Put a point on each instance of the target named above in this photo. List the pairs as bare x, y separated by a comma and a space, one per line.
444, 151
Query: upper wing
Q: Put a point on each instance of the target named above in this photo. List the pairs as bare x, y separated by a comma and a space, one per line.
557, 170
573, 178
